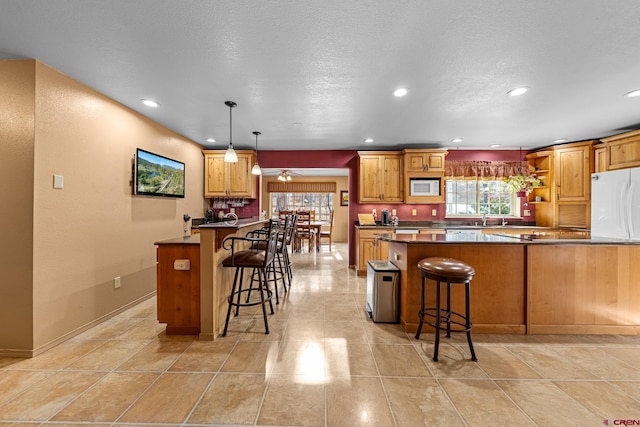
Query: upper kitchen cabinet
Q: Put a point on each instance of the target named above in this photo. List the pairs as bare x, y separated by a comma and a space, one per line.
380, 177
564, 200
424, 175
229, 179
423, 160
618, 152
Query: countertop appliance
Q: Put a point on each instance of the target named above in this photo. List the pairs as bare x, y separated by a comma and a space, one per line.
383, 291
386, 218
615, 204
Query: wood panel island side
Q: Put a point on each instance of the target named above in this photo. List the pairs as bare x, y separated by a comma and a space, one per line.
553, 285
195, 301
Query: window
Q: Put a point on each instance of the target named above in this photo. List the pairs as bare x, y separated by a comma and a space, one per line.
478, 197
322, 203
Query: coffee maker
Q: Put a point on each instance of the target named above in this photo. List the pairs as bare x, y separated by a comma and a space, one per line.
386, 218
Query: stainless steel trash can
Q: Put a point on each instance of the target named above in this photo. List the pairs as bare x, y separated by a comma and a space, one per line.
383, 291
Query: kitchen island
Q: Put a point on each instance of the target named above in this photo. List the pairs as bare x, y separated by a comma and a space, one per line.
527, 283
211, 280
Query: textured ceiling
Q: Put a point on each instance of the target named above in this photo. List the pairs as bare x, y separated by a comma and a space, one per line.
320, 74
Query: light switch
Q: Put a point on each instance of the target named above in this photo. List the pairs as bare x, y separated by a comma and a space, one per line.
58, 181
434, 212
414, 212
393, 212
527, 212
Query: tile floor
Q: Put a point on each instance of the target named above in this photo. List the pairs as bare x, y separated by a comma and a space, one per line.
324, 364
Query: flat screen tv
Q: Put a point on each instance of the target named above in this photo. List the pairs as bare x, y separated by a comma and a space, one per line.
156, 175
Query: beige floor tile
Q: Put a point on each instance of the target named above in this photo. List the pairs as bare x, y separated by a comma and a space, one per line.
252, 357
547, 405
147, 329
600, 362
420, 402
231, 399
110, 329
155, 356
357, 401
631, 388
108, 399
385, 333
399, 361
203, 356
500, 363
344, 358
605, 400
48, 396
12, 383
255, 330
301, 359
341, 312
292, 402
61, 356
483, 403
630, 356
169, 400
304, 330
351, 331
11, 424
453, 361
108, 356
550, 364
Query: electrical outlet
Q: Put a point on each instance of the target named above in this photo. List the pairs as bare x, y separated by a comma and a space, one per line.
232, 210
393, 212
373, 211
527, 212
414, 212
434, 212
116, 283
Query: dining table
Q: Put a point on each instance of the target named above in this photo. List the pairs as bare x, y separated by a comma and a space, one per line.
315, 226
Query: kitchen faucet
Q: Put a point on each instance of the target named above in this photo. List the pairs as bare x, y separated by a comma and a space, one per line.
504, 221
484, 219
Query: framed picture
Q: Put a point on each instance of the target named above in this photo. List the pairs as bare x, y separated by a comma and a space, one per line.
344, 198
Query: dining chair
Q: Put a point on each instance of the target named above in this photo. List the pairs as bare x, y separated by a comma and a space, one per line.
304, 231
326, 233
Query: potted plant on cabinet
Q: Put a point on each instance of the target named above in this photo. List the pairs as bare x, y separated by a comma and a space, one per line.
523, 185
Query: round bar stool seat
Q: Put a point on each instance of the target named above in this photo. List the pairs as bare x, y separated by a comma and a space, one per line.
449, 271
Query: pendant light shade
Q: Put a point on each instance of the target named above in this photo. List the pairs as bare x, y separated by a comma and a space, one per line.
255, 170
230, 155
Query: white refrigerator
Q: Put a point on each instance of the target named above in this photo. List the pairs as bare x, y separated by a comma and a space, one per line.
615, 204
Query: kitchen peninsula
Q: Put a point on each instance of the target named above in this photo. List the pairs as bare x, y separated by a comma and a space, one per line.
206, 282
527, 283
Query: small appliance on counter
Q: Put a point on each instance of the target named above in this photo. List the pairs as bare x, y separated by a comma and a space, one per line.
386, 217
209, 218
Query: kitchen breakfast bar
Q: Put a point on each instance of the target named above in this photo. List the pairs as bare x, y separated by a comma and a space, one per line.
530, 284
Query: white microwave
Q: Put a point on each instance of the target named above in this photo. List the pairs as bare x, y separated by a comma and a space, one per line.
424, 186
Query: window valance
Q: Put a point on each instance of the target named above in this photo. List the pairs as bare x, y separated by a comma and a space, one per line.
301, 187
464, 169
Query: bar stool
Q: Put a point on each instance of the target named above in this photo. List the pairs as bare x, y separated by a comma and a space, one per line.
260, 261
449, 271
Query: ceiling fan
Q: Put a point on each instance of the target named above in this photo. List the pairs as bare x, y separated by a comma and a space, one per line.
285, 175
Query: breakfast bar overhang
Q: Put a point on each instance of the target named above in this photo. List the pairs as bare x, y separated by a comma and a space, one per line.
552, 285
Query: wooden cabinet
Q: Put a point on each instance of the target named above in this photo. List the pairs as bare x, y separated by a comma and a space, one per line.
565, 198
619, 152
229, 179
178, 297
368, 247
423, 160
423, 163
380, 177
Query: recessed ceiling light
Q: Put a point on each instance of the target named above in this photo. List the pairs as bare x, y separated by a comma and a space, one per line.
633, 93
368, 140
494, 146
211, 140
150, 103
517, 91
296, 124
456, 140
400, 92
558, 141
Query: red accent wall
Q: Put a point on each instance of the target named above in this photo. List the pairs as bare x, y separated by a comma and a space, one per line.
348, 159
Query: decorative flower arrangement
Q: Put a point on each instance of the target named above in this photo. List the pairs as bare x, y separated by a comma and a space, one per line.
522, 183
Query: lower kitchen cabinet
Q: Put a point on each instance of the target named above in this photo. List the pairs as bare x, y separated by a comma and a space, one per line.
368, 247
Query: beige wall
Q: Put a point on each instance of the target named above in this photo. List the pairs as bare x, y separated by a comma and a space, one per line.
17, 85
340, 231
93, 229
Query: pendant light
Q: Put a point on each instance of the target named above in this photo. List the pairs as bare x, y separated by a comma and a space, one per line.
255, 170
230, 155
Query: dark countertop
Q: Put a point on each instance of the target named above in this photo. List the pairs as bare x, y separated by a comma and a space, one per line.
193, 239
549, 238
245, 222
